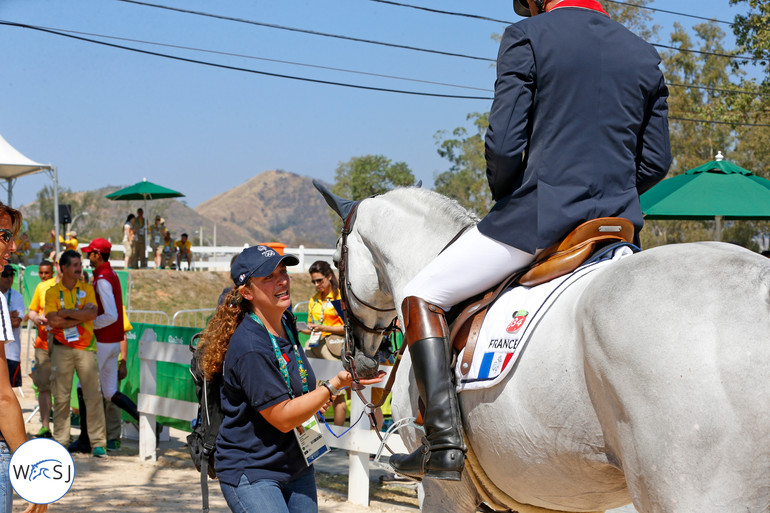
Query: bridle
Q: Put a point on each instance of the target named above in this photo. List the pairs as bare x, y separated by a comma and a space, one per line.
346, 291
351, 318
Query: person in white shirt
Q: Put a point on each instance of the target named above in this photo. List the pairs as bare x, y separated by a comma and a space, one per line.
16, 313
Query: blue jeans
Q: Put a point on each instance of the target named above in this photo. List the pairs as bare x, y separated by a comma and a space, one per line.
6, 493
270, 496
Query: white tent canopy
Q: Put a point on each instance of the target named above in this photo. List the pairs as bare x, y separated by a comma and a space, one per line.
14, 164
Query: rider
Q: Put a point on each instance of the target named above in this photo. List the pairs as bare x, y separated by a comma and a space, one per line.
577, 130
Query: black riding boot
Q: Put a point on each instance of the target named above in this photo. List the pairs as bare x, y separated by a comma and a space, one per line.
126, 404
442, 454
83, 443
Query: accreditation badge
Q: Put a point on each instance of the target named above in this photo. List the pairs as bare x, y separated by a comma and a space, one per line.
311, 441
71, 334
314, 340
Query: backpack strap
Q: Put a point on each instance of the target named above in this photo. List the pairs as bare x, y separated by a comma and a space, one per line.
205, 483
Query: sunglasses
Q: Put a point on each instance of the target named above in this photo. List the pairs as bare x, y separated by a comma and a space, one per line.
6, 235
316, 282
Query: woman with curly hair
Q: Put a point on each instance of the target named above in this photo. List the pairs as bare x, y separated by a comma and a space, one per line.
268, 389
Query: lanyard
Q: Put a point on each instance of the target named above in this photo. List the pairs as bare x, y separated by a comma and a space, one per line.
77, 298
283, 359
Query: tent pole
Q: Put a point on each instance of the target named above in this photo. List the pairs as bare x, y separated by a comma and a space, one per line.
56, 210
718, 234
10, 191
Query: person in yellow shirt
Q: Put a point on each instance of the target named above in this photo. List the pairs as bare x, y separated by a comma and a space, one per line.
70, 307
41, 369
71, 242
325, 327
183, 250
167, 250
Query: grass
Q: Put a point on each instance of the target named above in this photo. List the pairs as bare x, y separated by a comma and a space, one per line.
171, 291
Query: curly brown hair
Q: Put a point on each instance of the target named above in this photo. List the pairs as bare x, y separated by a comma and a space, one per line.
216, 336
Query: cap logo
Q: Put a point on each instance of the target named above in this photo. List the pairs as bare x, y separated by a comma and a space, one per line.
241, 277
266, 252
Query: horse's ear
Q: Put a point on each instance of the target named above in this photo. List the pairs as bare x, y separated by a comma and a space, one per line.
418, 184
340, 205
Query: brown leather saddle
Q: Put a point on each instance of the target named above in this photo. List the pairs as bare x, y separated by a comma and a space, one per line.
560, 259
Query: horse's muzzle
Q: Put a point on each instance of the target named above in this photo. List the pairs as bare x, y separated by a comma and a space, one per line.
361, 365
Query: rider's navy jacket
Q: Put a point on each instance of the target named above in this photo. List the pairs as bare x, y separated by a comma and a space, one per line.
578, 127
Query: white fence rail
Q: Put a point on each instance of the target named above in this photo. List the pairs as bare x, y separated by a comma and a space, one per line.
360, 441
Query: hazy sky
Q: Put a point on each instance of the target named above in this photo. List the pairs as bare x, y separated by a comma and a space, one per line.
106, 116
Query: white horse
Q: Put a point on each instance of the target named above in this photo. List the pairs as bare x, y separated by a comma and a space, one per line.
648, 381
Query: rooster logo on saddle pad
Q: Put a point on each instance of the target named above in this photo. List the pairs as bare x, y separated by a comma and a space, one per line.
518, 321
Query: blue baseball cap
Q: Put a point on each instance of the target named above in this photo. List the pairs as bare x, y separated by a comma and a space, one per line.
257, 261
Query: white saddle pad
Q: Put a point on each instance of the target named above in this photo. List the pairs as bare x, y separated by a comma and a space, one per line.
512, 319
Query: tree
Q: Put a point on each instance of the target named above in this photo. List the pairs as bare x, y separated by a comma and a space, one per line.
361, 177
752, 32
632, 17
465, 181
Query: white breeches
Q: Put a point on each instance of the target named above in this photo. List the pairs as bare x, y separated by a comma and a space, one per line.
107, 357
473, 264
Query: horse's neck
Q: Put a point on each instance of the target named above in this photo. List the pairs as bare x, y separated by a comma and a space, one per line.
404, 241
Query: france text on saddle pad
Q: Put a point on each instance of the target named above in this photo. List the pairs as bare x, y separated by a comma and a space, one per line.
511, 320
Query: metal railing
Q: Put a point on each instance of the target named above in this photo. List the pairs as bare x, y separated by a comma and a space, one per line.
192, 318
149, 316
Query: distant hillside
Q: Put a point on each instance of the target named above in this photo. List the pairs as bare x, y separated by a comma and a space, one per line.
273, 206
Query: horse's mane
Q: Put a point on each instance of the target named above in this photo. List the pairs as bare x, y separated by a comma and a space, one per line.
415, 198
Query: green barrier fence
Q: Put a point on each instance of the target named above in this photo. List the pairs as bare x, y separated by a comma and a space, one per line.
174, 380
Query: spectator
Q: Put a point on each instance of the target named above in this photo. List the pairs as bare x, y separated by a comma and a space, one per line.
167, 250
140, 236
70, 307
71, 242
15, 303
184, 250
12, 433
325, 327
128, 242
156, 239
41, 369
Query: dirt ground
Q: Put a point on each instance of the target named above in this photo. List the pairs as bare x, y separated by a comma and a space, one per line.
121, 483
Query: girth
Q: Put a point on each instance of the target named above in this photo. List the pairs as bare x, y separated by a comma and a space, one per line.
556, 261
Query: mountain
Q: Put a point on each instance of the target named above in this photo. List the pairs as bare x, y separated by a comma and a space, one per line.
273, 206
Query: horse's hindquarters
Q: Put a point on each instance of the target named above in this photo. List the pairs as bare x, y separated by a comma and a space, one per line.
677, 364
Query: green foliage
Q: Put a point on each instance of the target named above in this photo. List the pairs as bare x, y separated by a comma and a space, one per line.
361, 177
465, 180
632, 17
752, 32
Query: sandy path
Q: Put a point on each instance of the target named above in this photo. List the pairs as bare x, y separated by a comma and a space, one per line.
121, 483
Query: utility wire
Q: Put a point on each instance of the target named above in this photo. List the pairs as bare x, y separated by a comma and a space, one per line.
305, 31
710, 121
439, 11
719, 89
670, 12
229, 54
344, 70
236, 68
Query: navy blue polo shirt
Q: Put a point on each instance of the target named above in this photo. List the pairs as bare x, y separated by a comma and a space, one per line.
247, 443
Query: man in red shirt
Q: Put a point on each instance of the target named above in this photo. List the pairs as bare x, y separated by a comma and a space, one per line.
108, 325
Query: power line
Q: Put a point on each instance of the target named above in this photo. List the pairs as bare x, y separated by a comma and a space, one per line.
230, 54
719, 89
711, 121
439, 11
236, 68
670, 12
305, 31
703, 52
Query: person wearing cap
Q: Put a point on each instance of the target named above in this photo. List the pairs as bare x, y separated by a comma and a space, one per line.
167, 250
108, 324
71, 242
268, 389
578, 129
70, 308
156, 239
16, 310
41, 369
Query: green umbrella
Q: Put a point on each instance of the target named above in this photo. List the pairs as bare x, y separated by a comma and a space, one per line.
144, 190
716, 190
